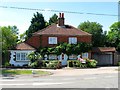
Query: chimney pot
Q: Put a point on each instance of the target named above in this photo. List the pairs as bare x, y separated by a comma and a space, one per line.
59, 15
62, 15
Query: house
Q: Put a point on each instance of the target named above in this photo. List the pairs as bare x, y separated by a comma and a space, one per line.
104, 55
49, 37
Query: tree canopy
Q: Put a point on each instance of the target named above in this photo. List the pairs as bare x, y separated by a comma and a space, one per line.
9, 37
37, 23
94, 28
113, 37
53, 19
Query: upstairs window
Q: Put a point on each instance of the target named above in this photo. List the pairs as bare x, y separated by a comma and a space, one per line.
52, 40
72, 40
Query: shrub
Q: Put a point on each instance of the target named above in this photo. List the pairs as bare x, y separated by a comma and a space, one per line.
76, 63
118, 63
51, 64
91, 63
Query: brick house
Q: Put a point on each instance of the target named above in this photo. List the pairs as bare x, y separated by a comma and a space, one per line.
51, 36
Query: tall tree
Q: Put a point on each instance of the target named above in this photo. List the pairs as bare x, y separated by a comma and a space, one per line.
37, 23
9, 39
94, 28
53, 19
113, 37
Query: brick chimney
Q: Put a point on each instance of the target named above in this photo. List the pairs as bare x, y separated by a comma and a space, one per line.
61, 19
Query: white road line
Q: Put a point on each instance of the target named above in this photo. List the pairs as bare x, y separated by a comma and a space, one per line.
46, 83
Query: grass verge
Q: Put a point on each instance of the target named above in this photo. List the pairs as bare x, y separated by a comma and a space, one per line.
23, 72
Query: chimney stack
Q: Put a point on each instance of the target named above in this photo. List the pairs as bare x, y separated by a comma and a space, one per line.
61, 19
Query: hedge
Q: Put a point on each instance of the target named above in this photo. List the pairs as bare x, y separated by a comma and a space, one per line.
78, 63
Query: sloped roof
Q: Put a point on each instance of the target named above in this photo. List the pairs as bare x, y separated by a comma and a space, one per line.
103, 49
24, 46
54, 29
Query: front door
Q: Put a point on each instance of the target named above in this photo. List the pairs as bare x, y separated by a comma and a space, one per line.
63, 58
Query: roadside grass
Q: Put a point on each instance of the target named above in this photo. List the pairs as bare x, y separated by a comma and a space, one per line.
23, 72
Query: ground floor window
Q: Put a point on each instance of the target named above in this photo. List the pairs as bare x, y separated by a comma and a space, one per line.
84, 55
21, 56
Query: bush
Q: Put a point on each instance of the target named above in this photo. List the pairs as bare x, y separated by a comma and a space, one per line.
118, 63
76, 63
51, 64
91, 63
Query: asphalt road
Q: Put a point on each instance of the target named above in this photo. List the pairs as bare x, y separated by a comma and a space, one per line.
109, 80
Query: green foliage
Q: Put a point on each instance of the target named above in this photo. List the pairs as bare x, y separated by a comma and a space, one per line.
91, 63
53, 19
78, 64
37, 23
118, 63
67, 49
113, 37
34, 56
94, 28
9, 37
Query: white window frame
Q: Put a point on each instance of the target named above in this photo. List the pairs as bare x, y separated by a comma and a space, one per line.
52, 40
72, 40
22, 56
85, 55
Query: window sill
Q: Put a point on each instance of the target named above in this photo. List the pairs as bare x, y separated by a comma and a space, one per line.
22, 60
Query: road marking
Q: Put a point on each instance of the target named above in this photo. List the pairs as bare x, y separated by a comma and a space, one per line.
45, 83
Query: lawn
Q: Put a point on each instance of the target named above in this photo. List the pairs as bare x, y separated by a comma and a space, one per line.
23, 72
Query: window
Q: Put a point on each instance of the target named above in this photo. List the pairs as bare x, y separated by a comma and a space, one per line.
52, 40
17, 56
84, 55
72, 40
21, 56
52, 57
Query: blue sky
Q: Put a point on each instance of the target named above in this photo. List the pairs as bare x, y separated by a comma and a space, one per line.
22, 18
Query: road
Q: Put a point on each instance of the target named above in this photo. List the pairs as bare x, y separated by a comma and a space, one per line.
108, 80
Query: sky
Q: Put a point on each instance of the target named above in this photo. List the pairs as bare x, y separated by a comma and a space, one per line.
21, 18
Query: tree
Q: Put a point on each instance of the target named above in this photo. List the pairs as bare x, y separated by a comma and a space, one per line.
53, 19
113, 37
37, 23
9, 39
94, 28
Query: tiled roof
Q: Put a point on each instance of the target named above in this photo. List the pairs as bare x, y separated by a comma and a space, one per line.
24, 46
56, 30
103, 49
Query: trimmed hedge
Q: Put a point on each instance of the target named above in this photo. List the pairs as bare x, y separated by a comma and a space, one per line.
48, 64
78, 63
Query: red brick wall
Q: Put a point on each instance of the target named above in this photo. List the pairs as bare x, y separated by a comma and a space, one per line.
63, 39
37, 41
